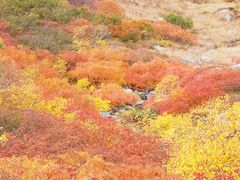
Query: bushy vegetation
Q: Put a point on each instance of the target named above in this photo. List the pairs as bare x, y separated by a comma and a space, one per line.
51, 39
82, 96
185, 23
208, 136
9, 120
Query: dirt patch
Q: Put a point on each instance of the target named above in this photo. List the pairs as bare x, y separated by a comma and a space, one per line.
218, 36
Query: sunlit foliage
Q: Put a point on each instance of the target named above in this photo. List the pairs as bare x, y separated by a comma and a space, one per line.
84, 96
207, 138
116, 95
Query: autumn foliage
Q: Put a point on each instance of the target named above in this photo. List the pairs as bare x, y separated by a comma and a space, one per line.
84, 95
116, 95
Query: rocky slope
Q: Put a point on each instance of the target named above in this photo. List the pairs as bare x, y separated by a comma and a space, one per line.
216, 23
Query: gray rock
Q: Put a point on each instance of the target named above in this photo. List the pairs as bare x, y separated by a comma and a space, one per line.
206, 59
159, 48
127, 107
228, 17
189, 59
143, 95
236, 66
226, 14
127, 89
139, 103
105, 114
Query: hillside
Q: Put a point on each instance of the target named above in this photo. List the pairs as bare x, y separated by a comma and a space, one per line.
217, 38
119, 90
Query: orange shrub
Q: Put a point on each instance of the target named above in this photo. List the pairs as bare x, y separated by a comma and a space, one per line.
104, 54
173, 32
20, 56
100, 71
70, 27
116, 95
55, 87
129, 30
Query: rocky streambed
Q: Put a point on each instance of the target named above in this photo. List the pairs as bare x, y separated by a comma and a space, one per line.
113, 113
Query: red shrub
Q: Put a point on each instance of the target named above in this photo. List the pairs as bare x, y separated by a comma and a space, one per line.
8, 39
72, 58
3, 25
43, 135
197, 87
44, 54
224, 80
146, 75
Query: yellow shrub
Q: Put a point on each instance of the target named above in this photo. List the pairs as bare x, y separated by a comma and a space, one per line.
70, 116
169, 86
164, 43
101, 105
56, 106
207, 138
61, 66
167, 126
24, 168
83, 83
24, 96
3, 139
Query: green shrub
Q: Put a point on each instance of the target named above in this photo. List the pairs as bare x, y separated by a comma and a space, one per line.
19, 8
66, 14
184, 22
23, 24
25, 14
51, 39
104, 19
9, 120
